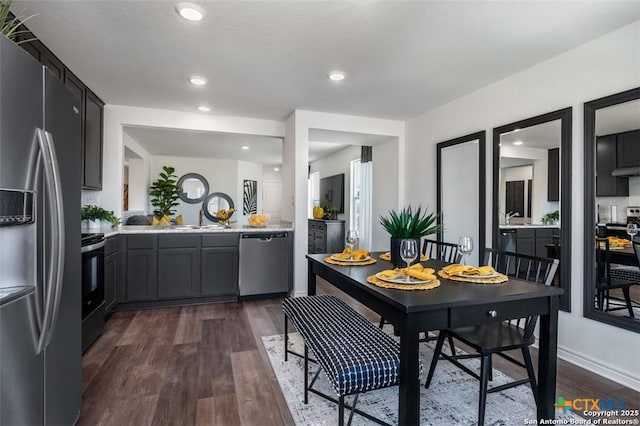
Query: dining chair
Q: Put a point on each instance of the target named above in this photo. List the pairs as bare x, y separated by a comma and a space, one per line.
498, 337
610, 277
447, 252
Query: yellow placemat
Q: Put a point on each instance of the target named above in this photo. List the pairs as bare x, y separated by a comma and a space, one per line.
500, 278
387, 256
369, 261
372, 279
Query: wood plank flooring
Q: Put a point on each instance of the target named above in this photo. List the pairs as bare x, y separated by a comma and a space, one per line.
206, 365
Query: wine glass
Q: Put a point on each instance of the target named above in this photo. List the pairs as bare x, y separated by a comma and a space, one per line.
465, 245
408, 253
632, 229
351, 240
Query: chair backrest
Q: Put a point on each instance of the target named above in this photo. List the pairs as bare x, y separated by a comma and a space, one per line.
447, 252
523, 266
556, 246
536, 269
603, 263
636, 249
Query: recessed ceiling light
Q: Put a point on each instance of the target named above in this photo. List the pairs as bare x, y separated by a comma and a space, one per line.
190, 11
518, 143
245, 147
336, 75
204, 108
276, 169
198, 81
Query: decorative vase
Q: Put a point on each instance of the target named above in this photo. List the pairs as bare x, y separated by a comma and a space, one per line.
396, 259
93, 224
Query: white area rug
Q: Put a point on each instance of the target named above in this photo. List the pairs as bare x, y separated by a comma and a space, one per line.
452, 398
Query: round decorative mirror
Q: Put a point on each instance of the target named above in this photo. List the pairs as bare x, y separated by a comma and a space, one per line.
214, 202
192, 188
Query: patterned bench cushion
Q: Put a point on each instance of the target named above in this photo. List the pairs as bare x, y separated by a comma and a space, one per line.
355, 354
628, 273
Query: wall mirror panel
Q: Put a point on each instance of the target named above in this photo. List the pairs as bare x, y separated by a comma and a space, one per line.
192, 188
612, 198
531, 182
461, 191
214, 202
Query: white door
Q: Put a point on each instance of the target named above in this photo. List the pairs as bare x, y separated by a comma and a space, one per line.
271, 199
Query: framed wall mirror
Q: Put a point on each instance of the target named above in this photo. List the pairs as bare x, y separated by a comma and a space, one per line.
214, 202
611, 200
532, 187
461, 191
193, 188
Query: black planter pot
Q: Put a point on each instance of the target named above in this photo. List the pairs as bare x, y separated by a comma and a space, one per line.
396, 259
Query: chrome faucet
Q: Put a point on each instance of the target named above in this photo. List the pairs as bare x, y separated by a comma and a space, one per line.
510, 215
201, 217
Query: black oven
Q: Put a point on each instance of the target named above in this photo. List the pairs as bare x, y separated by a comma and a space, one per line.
92, 288
92, 272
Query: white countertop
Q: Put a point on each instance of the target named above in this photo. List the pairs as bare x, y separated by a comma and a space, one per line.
182, 229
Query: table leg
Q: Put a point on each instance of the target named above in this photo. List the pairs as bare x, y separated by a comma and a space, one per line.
547, 361
311, 280
409, 392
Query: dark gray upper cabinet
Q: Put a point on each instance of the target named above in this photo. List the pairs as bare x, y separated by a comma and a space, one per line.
553, 175
92, 153
606, 162
629, 149
91, 110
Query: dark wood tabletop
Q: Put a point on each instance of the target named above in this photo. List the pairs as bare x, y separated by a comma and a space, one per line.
452, 304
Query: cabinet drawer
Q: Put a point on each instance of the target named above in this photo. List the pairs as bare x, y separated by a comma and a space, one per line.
544, 232
142, 241
179, 241
226, 240
525, 233
482, 314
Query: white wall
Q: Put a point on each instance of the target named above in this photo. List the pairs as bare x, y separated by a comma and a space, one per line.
604, 66
221, 175
337, 163
272, 193
296, 155
117, 116
386, 181
139, 174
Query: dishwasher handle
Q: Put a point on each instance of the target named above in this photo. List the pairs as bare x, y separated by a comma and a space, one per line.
264, 237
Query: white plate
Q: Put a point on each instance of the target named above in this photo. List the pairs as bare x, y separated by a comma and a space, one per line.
350, 260
495, 274
401, 280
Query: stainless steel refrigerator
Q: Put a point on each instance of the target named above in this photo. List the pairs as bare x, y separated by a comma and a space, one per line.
40, 291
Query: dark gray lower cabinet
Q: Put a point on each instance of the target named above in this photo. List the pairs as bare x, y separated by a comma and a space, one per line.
142, 274
219, 271
114, 271
178, 273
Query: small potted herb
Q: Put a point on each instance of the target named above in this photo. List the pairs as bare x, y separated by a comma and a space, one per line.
551, 218
94, 215
408, 224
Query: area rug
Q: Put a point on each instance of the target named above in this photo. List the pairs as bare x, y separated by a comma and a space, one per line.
452, 398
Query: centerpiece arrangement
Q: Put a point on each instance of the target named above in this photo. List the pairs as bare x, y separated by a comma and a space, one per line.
222, 216
408, 224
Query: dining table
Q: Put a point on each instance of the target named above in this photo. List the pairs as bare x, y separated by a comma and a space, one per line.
452, 304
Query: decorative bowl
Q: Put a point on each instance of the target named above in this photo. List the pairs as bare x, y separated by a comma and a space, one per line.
258, 220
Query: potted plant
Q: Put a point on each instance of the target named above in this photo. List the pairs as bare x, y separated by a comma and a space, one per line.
408, 224
9, 25
551, 218
93, 215
164, 193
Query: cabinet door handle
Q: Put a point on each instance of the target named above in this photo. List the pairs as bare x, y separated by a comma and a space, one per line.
492, 313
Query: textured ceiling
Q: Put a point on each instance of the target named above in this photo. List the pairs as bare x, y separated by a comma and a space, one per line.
264, 59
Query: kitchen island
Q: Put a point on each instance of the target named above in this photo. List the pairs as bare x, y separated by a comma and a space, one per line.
150, 266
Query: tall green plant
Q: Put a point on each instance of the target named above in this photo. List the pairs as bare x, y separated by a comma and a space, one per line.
410, 224
9, 25
164, 193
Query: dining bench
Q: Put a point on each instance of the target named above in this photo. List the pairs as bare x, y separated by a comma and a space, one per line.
353, 352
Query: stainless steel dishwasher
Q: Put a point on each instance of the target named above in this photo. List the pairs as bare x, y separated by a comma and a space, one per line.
265, 263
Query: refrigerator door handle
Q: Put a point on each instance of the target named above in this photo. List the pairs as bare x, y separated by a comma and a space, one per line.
55, 211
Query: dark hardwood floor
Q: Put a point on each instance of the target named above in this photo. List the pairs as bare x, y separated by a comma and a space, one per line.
206, 365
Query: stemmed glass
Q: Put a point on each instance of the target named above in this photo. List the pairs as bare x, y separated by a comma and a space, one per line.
351, 240
408, 253
632, 229
465, 245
